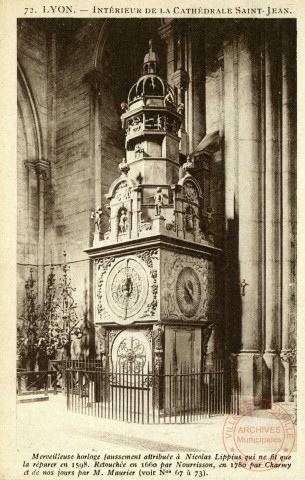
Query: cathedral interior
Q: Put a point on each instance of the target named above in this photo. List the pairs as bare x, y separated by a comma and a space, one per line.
160, 155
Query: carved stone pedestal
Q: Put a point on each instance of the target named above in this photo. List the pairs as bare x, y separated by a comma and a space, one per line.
158, 224
97, 237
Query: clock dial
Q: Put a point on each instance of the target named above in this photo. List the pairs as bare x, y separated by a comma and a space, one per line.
127, 288
188, 291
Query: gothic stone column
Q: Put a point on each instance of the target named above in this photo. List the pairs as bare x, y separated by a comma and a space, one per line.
167, 33
232, 291
180, 80
289, 198
249, 359
272, 212
98, 84
41, 168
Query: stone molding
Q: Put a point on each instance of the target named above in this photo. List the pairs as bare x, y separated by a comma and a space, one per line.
158, 240
33, 107
41, 167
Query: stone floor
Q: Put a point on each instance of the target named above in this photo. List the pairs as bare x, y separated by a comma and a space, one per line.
47, 428
66, 428
48, 424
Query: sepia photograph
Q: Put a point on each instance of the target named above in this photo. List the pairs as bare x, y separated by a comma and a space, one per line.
156, 168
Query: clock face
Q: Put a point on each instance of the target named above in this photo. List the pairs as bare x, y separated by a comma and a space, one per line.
188, 291
127, 288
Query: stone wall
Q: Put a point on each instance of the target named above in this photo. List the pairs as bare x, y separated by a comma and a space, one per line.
74, 170
55, 67
32, 97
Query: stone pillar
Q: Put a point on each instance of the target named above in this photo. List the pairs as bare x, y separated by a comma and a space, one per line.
29, 166
197, 76
166, 32
97, 81
229, 124
189, 106
96, 94
232, 291
249, 360
184, 54
41, 173
41, 168
50, 184
180, 79
220, 60
272, 212
288, 197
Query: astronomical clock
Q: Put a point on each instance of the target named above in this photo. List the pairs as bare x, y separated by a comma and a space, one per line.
154, 267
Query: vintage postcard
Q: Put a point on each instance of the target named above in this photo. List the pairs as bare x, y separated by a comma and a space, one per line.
151, 199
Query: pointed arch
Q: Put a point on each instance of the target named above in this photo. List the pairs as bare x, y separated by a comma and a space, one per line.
100, 44
29, 105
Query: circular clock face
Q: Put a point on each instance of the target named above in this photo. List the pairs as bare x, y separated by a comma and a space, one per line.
188, 291
126, 288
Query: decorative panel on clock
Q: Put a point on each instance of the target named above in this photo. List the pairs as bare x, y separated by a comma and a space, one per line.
187, 287
127, 288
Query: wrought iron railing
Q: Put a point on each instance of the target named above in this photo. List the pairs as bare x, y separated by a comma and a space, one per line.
182, 395
59, 369
33, 383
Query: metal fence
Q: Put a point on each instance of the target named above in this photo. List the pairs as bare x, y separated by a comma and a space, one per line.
59, 367
33, 383
181, 395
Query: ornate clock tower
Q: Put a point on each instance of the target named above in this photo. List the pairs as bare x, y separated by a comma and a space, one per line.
154, 269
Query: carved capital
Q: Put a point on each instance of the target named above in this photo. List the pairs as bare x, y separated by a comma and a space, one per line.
96, 79
29, 164
41, 167
289, 356
166, 32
